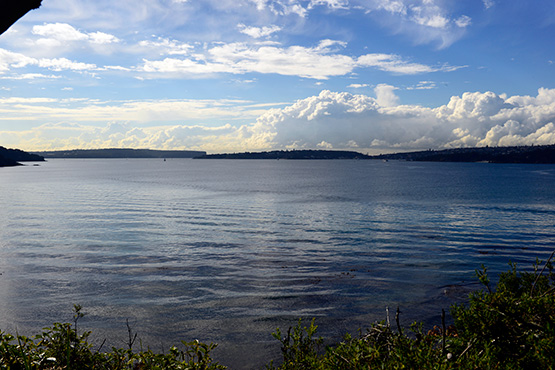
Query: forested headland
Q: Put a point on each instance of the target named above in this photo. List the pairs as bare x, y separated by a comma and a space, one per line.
12, 157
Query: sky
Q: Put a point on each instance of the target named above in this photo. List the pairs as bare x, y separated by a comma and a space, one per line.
373, 76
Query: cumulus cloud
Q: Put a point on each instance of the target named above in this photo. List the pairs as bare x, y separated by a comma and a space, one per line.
385, 95
341, 119
9, 60
57, 34
331, 120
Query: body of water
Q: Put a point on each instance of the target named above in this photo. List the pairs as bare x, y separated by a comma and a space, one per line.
228, 250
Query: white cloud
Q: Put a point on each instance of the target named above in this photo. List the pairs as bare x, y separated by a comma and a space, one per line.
60, 32
281, 7
430, 19
324, 145
425, 21
258, 32
463, 21
102, 38
29, 76
395, 64
488, 3
166, 46
332, 4
469, 120
328, 120
17, 100
240, 58
57, 34
358, 86
385, 95
60, 64
391, 6
142, 111
320, 62
9, 59
423, 85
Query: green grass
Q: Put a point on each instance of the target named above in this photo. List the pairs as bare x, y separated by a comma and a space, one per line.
509, 327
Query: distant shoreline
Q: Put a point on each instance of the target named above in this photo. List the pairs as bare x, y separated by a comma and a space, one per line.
120, 153
289, 154
541, 154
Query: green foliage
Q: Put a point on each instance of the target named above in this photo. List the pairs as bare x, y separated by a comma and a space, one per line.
515, 325
379, 348
512, 327
62, 347
299, 348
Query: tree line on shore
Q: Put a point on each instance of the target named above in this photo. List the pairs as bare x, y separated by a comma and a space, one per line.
542, 154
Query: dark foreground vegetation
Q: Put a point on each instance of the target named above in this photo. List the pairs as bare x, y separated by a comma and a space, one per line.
509, 327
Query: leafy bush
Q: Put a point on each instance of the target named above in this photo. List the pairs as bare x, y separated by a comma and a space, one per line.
512, 327
61, 347
515, 325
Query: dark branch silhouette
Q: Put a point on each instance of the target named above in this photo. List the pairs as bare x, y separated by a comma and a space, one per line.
12, 10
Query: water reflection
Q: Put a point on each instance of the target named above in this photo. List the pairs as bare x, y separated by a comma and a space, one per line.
226, 251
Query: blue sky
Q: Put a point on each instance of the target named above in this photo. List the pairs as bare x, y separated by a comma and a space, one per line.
234, 75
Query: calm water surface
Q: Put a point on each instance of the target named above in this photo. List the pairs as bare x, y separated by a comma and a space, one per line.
228, 250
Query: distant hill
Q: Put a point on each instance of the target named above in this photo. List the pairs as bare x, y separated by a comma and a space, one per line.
12, 157
511, 154
121, 153
289, 154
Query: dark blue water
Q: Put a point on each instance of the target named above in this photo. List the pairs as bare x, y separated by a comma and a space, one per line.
227, 250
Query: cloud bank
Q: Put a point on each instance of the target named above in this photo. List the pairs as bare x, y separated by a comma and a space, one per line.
343, 120
335, 120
